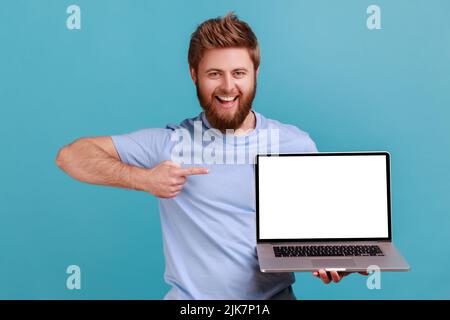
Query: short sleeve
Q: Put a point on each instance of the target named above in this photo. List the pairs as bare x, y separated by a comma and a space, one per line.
143, 148
310, 145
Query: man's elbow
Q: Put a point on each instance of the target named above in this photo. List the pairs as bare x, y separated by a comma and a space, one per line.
68, 153
61, 157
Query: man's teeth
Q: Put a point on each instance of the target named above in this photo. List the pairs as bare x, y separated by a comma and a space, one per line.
226, 98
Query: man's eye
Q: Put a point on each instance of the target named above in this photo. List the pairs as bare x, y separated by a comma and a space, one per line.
213, 74
239, 73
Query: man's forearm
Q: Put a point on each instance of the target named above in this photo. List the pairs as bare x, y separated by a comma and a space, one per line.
85, 161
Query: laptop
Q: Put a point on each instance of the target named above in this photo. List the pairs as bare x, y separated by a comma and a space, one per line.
325, 210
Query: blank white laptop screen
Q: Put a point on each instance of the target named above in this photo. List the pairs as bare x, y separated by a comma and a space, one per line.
323, 197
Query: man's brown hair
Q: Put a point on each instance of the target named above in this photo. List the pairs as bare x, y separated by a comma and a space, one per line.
223, 32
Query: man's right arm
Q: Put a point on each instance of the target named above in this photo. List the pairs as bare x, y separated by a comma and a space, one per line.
96, 161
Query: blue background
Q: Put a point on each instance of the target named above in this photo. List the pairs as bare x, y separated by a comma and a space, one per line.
351, 88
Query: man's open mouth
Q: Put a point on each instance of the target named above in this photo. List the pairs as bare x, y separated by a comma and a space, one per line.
227, 101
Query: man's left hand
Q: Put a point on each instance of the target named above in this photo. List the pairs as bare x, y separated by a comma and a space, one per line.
335, 276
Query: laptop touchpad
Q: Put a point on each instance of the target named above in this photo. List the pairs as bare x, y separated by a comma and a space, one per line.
333, 262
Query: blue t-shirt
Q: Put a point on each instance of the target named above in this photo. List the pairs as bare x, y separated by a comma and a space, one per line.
209, 228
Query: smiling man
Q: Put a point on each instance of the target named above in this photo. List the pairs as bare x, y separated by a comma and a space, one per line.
207, 208
226, 85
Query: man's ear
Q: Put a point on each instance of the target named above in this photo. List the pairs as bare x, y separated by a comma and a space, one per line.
193, 74
257, 71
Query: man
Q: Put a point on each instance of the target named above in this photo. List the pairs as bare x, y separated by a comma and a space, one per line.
207, 207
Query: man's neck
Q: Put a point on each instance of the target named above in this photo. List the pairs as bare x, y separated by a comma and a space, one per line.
247, 126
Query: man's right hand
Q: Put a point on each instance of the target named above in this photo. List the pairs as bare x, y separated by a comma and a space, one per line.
166, 180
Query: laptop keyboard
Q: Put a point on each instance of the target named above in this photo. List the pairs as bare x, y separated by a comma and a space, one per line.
327, 251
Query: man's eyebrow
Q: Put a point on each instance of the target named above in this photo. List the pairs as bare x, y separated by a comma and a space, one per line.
212, 69
237, 69
241, 69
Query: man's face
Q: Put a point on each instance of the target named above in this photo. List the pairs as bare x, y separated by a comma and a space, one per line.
226, 86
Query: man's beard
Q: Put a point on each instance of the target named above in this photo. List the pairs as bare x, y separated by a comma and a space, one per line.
220, 122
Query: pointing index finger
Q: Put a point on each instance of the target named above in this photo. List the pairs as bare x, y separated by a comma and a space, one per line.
192, 170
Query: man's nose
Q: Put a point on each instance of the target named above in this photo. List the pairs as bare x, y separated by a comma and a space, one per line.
228, 83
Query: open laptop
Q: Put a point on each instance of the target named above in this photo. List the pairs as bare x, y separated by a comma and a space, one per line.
327, 211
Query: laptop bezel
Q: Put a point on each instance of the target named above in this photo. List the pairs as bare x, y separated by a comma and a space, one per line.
315, 154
